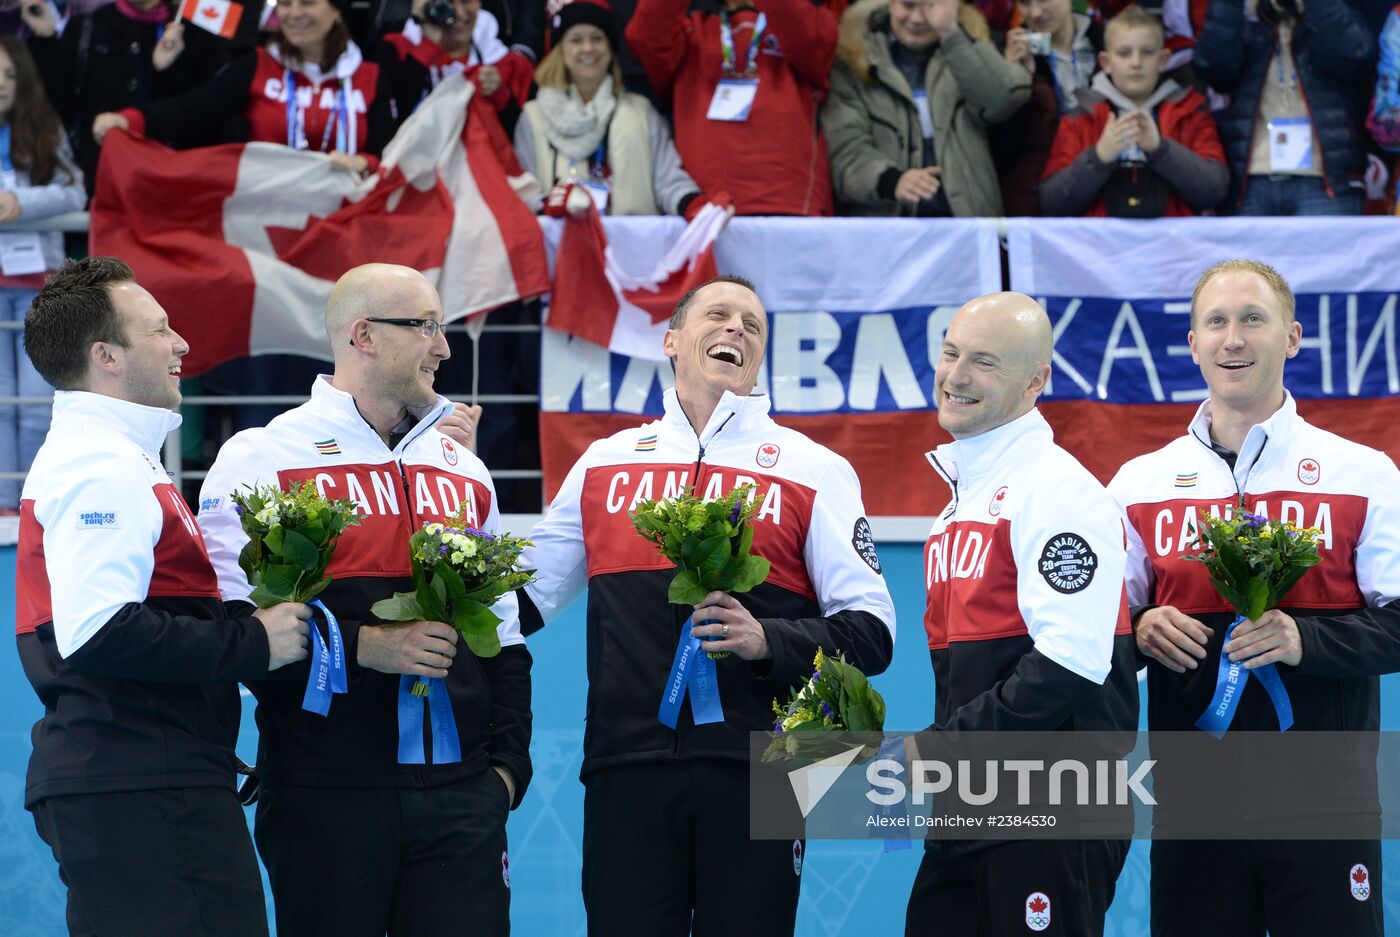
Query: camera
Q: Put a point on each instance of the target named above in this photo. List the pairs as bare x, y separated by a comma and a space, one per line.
1038, 43
440, 13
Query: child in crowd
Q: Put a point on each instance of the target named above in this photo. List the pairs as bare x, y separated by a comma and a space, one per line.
37, 179
1135, 145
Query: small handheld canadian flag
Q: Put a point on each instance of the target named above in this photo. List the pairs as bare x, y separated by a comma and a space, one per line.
219, 17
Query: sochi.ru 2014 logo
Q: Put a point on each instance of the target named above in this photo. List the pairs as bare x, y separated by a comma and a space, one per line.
1037, 911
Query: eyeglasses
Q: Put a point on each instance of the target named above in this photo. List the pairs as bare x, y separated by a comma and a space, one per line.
428, 328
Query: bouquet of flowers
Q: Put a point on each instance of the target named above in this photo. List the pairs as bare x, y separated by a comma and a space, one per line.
709, 541
458, 574
1252, 561
836, 698
291, 537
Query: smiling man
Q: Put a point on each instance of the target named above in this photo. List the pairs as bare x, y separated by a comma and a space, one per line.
671, 805
121, 632
360, 833
1027, 620
1340, 628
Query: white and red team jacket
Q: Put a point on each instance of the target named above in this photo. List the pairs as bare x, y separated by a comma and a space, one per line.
825, 589
1027, 616
426, 477
118, 619
1345, 606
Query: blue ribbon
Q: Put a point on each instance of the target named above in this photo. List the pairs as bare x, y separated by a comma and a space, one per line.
447, 747
1229, 687
893, 748
327, 674
693, 672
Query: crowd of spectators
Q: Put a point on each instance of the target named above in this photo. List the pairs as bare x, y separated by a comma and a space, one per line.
921, 108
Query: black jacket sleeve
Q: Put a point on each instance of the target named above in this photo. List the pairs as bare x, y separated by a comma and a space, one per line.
141, 643
861, 636
193, 117
1362, 643
1039, 694
508, 673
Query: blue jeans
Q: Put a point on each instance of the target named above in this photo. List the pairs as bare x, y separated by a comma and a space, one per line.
1297, 195
22, 428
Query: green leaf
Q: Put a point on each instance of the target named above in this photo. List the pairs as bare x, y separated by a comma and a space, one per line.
263, 597
429, 599
316, 532
745, 541
474, 618
273, 540
754, 572
281, 580
300, 552
1256, 598
710, 557
401, 606
484, 645
686, 589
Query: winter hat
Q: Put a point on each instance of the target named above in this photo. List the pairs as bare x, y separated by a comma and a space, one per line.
592, 12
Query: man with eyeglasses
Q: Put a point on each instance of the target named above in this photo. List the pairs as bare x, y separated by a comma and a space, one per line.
369, 817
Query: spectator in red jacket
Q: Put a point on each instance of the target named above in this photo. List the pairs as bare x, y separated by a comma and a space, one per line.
1136, 146
744, 84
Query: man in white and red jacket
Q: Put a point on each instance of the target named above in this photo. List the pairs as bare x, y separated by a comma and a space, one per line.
1338, 631
1027, 619
670, 803
744, 84
369, 817
121, 632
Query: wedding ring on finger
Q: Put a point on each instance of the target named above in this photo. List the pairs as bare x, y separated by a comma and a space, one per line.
724, 631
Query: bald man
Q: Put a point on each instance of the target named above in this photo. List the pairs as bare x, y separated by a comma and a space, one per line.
1027, 619
381, 811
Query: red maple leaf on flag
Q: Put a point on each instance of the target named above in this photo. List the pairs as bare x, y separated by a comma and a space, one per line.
1359, 876
209, 12
1037, 904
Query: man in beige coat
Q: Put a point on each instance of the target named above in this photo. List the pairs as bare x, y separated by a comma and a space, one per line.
916, 84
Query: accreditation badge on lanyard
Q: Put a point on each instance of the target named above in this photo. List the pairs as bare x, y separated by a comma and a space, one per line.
1290, 144
925, 116
596, 185
735, 93
21, 252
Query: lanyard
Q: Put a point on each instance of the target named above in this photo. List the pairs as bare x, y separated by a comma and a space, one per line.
5, 163
597, 163
726, 43
1288, 91
340, 120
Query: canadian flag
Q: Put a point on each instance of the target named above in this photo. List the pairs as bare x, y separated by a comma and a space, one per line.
594, 298
219, 17
241, 244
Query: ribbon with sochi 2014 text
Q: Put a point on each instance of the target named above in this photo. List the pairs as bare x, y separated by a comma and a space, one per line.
327, 676
1230, 682
694, 673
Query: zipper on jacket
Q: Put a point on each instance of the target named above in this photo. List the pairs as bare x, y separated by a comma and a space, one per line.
951, 481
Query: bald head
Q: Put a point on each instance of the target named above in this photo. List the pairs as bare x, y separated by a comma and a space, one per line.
1016, 323
994, 364
377, 290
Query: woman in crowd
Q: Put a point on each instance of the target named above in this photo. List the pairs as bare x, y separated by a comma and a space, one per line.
583, 129
37, 179
308, 87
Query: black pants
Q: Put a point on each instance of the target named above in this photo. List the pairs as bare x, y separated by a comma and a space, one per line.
155, 863
412, 862
666, 852
1055, 887
1291, 888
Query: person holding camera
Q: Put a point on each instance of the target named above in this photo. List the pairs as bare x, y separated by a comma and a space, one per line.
1291, 133
1059, 49
445, 37
916, 84
1136, 145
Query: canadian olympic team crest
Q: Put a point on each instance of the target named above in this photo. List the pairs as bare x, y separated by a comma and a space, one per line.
994, 507
1309, 471
505, 868
1360, 882
1067, 562
1037, 911
449, 451
767, 455
797, 857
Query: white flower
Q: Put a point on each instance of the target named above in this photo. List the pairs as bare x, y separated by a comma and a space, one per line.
267, 516
457, 558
